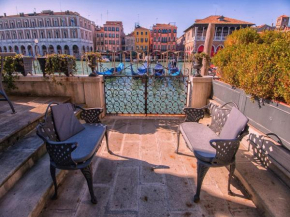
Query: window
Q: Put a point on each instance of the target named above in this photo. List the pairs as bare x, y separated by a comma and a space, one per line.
20, 35
14, 35
62, 22
146, 47
168, 38
137, 39
47, 22
106, 42
154, 47
117, 29
18, 24
12, 25
34, 35
154, 39
32, 24
174, 30
146, 39
113, 28
109, 35
27, 35
25, 24
146, 33
113, 35
141, 47
105, 28
102, 35
40, 23
55, 23
109, 28
159, 30
117, 42
74, 33
106, 35
72, 22
137, 33
117, 35
137, 47
169, 30
64, 35
41, 35
142, 40
6, 24
2, 36
1, 25
141, 33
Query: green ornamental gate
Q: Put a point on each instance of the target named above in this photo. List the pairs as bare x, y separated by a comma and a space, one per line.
145, 94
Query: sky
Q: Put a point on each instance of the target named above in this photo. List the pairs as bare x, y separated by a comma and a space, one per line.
149, 12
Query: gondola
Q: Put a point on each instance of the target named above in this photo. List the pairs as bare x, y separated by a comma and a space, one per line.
118, 70
159, 70
173, 70
140, 71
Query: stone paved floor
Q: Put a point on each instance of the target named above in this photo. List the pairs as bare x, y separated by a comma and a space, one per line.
145, 177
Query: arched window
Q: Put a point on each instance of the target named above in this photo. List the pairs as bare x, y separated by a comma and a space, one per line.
14, 35
49, 35
64, 35
74, 33
27, 35
55, 23
25, 24
19, 24
34, 35
42, 35
174, 31
47, 22
32, 24
2, 37
40, 23
20, 35
56, 34
159, 30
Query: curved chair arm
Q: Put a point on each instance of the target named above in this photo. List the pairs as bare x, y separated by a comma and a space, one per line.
194, 114
226, 150
91, 115
60, 153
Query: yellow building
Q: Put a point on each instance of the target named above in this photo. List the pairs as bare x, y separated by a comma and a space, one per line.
142, 38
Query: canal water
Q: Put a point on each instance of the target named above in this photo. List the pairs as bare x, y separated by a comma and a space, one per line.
83, 69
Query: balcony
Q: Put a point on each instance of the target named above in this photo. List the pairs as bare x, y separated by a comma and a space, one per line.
143, 176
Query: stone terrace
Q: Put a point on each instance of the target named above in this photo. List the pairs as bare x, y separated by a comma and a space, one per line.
145, 177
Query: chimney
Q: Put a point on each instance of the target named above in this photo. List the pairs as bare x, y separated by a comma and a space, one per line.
4, 14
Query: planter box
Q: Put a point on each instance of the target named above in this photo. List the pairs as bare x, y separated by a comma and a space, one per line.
267, 117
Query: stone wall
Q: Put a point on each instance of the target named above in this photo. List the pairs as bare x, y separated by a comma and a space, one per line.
81, 89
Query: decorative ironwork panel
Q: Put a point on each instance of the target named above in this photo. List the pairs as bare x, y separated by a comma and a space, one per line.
145, 94
166, 95
125, 95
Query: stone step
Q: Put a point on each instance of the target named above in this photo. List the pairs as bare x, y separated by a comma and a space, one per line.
30, 193
30, 111
19, 158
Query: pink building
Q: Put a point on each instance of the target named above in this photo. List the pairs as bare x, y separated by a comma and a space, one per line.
163, 37
114, 35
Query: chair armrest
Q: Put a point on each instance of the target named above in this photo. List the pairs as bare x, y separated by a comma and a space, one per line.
226, 150
91, 115
60, 152
194, 114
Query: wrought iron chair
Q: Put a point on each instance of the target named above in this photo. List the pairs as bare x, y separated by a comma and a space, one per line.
70, 144
217, 144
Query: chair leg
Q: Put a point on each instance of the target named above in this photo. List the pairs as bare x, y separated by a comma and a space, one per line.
107, 142
201, 172
178, 139
87, 172
52, 173
232, 170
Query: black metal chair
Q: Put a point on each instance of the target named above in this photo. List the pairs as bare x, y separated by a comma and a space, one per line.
70, 144
217, 144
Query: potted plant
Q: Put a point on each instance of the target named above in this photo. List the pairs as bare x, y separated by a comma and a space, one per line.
93, 58
198, 58
60, 63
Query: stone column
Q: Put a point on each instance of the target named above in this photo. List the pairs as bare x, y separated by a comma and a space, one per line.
207, 47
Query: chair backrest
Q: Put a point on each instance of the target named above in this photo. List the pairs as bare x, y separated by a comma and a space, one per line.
235, 124
219, 116
65, 122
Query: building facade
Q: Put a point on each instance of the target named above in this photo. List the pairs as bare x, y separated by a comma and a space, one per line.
142, 39
180, 43
282, 22
114, 36
130, 42
163, 37
100, 39
45, 33
195, 34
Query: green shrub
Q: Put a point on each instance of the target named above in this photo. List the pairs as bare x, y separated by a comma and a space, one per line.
12, 64
260, 66
60, 63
